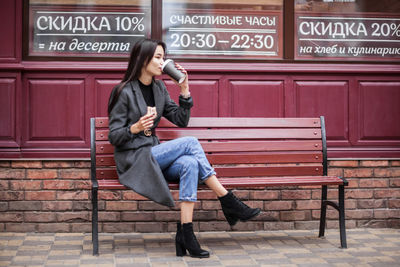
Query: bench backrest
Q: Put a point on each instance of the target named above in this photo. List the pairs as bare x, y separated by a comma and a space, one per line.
237, 147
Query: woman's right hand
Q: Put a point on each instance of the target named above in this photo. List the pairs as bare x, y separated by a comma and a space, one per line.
145, 122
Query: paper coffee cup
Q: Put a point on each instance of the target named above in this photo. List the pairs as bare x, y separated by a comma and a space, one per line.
169, 68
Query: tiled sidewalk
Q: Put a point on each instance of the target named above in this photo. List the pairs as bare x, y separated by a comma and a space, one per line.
367, 247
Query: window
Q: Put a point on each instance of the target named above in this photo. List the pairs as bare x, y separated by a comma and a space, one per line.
223, 28
347, 29
98, 28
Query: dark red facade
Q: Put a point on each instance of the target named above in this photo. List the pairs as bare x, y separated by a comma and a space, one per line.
45, 106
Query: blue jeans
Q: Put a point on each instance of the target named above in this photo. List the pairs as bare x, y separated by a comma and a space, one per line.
183, 160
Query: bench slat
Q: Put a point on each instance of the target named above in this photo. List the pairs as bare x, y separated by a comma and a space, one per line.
243, 134
243, 146
235, 122
268, 171
102, 173
250, 182
271, 157
104, 147
250, 122
218, 134
281, 181
241, 158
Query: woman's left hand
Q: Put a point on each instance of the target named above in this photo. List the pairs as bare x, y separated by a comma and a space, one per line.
185, 84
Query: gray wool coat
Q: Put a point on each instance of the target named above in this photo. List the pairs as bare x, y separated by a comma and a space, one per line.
136, 167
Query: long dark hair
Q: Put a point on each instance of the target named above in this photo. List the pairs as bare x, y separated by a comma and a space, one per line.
141, 54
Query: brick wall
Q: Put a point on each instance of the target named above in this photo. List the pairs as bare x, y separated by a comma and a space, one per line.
53, 196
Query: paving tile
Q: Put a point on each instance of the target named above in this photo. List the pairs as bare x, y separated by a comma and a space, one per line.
5, 236
7, 251
66, 247
32, 252
344, 259
69, 237
308, 261
204, 262
97, 261
381, 264
63, 257
313, 265
6, 258
269, 251
36, 243
10, 248
240, 263
136, 265
279, 261
298, 255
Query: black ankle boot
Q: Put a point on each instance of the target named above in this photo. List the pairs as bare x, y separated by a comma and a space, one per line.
186, 240
235, 210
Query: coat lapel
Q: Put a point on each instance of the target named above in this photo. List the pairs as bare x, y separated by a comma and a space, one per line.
139, 98
158, 98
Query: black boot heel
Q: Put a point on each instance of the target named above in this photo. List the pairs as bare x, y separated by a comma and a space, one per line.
252, 214
180, 250
231, 220
179, 246
191, 244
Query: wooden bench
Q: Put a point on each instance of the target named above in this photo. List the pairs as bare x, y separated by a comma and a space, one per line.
246, 153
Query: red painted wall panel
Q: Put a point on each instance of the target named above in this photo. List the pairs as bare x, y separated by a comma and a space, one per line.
55, 112
379, 112
205, 95
103, 89
8, 30
8, 112
329, 99
256, 98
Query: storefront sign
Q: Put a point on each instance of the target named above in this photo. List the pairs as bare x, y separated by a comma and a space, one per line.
240, 34
361, 38
58, 31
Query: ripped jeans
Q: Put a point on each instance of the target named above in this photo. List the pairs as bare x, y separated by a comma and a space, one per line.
183, 160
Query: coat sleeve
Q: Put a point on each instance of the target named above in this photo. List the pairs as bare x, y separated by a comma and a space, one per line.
178, 115
119, 124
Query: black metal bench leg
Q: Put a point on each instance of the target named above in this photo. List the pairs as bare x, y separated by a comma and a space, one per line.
342, 218
322, 219
95, 226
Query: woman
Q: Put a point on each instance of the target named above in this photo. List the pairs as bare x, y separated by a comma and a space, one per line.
144, 164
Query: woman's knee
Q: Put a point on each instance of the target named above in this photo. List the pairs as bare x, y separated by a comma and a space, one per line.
192, 144
189, 163
191, 140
